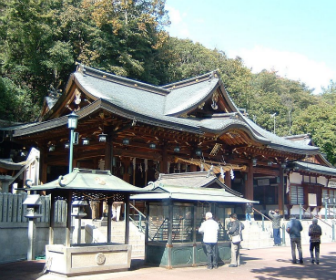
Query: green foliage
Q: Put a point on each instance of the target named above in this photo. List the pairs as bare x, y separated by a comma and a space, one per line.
41, 39
15, 105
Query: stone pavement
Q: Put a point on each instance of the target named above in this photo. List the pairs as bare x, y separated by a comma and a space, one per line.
264, 264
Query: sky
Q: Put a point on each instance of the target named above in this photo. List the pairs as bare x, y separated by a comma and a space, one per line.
296, 38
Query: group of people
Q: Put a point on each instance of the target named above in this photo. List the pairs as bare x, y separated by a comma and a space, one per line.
209, 228
294, 228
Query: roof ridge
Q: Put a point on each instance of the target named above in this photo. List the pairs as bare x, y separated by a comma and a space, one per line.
86, 70
184, 174
190, 81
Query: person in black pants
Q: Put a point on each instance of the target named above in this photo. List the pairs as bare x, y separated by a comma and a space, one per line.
315, 233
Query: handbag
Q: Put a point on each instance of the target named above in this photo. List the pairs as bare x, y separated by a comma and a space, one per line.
236, 239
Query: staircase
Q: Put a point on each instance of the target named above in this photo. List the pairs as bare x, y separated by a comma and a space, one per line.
260, 235
255, 237
99, 232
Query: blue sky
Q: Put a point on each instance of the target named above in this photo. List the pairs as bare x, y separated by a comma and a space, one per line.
294, 37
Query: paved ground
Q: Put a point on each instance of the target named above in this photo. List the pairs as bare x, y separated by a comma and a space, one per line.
263, 264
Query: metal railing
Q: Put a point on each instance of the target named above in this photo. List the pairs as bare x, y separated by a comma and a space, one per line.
263, 216
140, 218
318, 218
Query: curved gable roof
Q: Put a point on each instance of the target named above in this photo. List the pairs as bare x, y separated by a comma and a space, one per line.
189, 94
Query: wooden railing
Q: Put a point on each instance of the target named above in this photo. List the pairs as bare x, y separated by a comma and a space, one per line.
12, 209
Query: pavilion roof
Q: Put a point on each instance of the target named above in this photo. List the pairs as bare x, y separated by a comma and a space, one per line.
89, 180
191, 186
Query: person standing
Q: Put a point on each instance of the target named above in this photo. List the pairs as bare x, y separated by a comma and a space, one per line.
276, 218
210, 229
248, 211
235, 228
294, 229
315, 233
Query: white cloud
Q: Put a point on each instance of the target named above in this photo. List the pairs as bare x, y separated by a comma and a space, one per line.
291, 65
178, 27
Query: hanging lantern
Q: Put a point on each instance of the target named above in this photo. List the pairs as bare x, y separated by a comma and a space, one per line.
198, 152
86, 141
125, 141
102, 137
152, 145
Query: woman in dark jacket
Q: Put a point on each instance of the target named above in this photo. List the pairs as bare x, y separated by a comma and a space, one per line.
235, 228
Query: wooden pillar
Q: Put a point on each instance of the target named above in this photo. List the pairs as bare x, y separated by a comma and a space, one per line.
193, 168
134, 164
249, 182
164, 165
227, 179
281, 200
108, 153
126, 163
43, 165
146, 171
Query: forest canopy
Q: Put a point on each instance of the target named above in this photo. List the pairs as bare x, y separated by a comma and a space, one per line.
40, 41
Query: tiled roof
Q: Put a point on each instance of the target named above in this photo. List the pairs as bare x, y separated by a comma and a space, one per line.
161, 106
312, 167
190, 186
87, 179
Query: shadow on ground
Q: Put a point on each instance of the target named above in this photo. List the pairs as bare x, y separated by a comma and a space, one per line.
325, 270
25, 270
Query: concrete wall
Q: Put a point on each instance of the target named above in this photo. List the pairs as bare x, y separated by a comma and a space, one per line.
14, 240
14, 226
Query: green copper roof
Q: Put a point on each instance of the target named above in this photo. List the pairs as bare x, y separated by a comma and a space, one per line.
89, 180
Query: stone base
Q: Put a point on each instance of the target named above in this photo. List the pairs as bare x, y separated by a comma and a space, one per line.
87, 259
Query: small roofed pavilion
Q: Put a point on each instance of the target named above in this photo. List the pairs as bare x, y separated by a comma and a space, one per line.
73, 256
176, 207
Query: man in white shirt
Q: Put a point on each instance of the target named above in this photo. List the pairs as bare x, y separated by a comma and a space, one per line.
210, 228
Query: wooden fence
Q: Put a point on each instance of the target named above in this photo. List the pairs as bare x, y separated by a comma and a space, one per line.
12, 209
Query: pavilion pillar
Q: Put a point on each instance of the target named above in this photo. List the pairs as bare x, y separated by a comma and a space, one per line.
69, 218
169, 245
51, 219
109, 220
194, 234
127, 212
249, 182
281, 200
227, 179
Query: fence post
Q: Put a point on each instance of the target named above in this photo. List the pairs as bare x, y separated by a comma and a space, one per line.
283, 235
300, 212
139, 225
262, 222
333, 231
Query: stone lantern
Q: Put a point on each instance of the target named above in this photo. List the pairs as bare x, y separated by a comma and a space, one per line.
78, 213
33, 203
